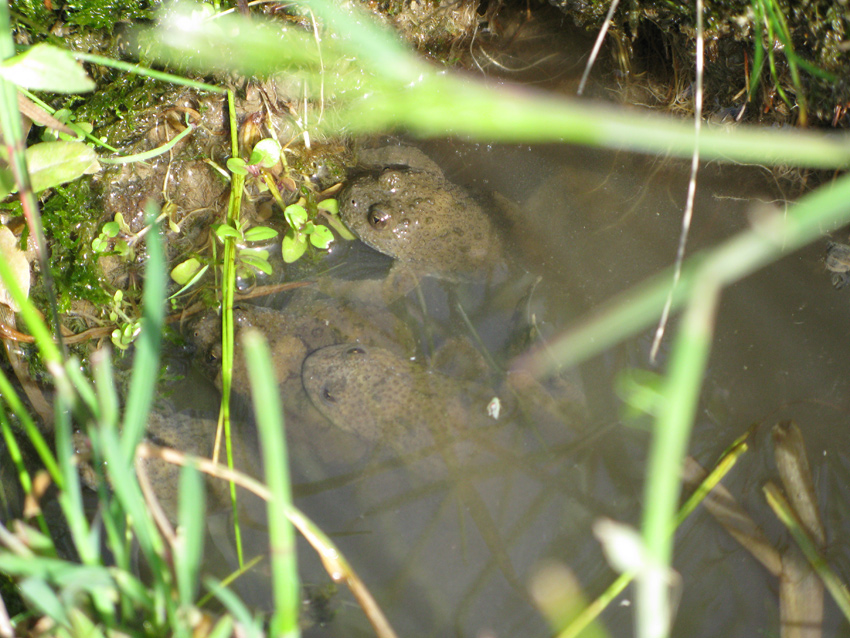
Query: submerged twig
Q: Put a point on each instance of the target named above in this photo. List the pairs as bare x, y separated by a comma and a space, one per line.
597, 45
692, 188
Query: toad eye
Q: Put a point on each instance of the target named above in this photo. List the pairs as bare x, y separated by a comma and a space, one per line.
355, 350
379, 218
327, 396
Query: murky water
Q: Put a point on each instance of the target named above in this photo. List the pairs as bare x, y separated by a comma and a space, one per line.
450, 552
598, 223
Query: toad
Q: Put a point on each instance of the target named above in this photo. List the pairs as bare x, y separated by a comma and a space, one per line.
304, 325
386, 399
403, 206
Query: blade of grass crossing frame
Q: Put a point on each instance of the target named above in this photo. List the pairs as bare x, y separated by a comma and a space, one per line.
107, 397
71, 502
669, 443
125, 485
113, 517
628, 314
784, 512
724, 465
24, 478
189, 547
426, 101
269, 415
10, 124
147, 345
228, 285
44, 453
70, 499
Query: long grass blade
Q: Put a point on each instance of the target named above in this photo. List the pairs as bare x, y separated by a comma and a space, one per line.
269, 413
783, 511
146, 362
189, 548
405, 92
669, 444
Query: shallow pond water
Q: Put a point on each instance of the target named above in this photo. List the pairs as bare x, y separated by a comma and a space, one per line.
597, 223
450, 551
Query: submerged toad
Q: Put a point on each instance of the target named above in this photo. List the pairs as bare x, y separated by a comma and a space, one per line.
381, 397
306, 324
386, 399
404, 207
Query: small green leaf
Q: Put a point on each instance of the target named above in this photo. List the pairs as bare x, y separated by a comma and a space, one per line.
46, 68
293, 246
111, 229
125, 228
123, 250
295, 215
182, 273
260, 233
189, 284
223, 231
54, 163
321, 237
257, 262
339, 227
237, 166
329, 205
266, 153
255, 252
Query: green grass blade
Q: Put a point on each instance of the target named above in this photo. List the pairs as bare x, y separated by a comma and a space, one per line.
154, 152
10, 125
70, 499
41, 447
837, 589
269, 414
107, 397
146, 362
669, 444
405, 92
42, 597
125, 485
14, 452
250, 627
189, 548
228, 288
142, 70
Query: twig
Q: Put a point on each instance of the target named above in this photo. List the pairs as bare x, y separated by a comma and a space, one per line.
692, 188
597, 45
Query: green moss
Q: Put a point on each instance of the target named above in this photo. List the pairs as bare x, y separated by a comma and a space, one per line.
114, 108
70, 226
34, 10
102, 14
